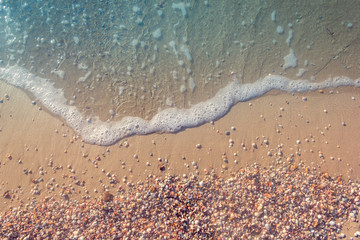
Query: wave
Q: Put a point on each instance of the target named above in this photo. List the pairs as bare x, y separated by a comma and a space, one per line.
94, 131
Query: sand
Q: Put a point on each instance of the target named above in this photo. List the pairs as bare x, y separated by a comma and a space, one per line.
40, 156
318, 132
64, 167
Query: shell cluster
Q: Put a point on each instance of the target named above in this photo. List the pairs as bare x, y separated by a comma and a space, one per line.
280, 203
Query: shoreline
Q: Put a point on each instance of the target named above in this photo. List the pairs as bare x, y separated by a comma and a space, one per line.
170, 120
311, 129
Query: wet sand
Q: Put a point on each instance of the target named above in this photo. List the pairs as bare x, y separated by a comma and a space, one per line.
42, 157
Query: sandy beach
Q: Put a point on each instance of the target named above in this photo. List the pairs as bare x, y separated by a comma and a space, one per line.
282, 165
42, 158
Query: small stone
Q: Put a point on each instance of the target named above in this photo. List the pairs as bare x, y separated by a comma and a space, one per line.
7, 194
107, 196
267, 227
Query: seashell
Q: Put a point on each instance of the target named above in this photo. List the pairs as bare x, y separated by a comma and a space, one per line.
8, 156
325, 175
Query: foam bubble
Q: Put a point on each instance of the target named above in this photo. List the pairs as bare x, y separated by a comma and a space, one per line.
168, 120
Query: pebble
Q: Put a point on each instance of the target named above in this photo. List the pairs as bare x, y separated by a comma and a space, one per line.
107, 196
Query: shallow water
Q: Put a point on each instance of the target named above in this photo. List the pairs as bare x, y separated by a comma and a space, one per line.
124, 58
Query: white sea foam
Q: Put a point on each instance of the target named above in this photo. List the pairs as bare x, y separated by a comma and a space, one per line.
168, 120
181, 7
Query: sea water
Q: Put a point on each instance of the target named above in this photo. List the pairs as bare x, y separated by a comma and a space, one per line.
112, 69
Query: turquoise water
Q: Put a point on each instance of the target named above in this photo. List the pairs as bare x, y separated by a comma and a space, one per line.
108, 60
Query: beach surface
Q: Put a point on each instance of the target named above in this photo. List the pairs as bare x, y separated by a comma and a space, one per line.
307, 132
